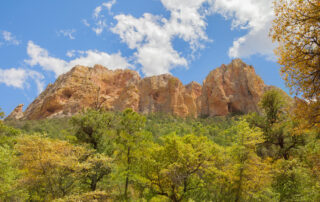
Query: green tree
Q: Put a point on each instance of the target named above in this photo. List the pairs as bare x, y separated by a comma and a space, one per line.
92, 126
9, 176
51, 168
293, 181
272, 104
252, 172
1, 114
129, 136
95, 168
276, 124
97, 196
175, 168
7, 133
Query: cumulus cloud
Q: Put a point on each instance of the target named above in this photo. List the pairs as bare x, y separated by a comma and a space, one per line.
9, 38
252, 15
152, 35
92, 57
17, 77
40, 56
67, 33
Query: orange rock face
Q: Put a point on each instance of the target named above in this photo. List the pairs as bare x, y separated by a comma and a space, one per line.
232, 88
227, 89
165, 93
85, 87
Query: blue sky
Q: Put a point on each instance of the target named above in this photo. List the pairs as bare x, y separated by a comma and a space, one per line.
41, 39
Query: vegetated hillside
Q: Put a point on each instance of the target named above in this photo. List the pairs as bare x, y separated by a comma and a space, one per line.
158, 125
100, 155
232, 88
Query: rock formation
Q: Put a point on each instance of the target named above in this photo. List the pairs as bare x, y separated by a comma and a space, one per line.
231, 88
85, 87
16, 114
165, 93
227, 89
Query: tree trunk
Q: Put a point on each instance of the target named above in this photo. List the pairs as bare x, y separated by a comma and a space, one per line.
127, 177
93, 184
239, 186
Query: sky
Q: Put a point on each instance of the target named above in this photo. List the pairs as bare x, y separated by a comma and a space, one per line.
42, 39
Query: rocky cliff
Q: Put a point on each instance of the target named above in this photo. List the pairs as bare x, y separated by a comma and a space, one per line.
230, 88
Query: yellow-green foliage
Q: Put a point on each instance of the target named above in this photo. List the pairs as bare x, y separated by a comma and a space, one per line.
130, 157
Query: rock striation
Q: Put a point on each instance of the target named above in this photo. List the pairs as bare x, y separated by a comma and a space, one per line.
232, 88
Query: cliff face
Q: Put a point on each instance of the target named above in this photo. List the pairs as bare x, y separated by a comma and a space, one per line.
229, 88
85, 87
165, 93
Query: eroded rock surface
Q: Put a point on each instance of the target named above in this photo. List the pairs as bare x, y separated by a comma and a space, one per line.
16, 114
84, 87
232, 88
228, 89
165, 93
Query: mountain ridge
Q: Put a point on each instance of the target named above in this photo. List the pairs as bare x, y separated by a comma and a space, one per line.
231, 88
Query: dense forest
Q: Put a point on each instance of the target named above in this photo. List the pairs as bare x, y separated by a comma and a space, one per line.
97, 155
107, 156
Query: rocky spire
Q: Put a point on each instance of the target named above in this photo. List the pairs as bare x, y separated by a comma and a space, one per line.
16, 114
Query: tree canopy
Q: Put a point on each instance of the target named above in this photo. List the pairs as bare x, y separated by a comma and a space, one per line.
296, 29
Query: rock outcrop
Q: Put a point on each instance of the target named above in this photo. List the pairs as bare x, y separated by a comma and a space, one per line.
165, 93
85, 87
16, 114
227, 89
232, 88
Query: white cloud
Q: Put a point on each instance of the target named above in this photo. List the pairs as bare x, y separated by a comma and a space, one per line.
17, 77
152, 35
13, 77
67, 33
9, 38
41, 57
109, 4
71, 53
157, 60
100, 23
97, 11
252, 15
92, 57
85, 22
